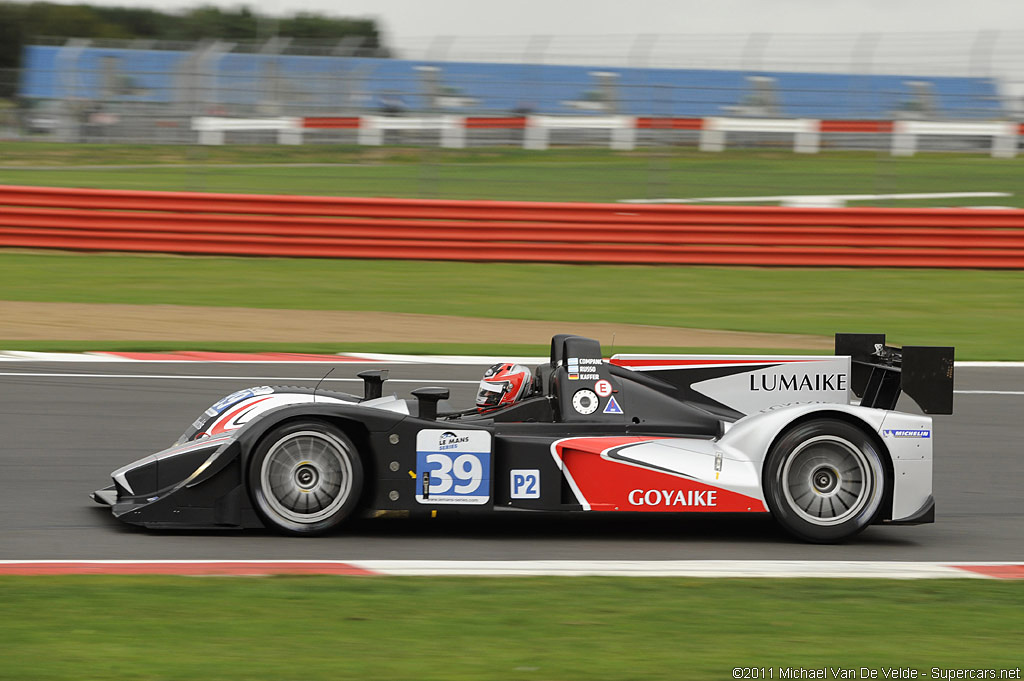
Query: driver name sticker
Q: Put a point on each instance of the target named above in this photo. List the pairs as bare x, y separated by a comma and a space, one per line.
582, 368
453, 467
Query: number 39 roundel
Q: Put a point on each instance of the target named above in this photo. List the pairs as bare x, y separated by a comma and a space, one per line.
453, 466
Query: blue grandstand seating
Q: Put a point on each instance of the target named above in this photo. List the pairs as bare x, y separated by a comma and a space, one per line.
322, 85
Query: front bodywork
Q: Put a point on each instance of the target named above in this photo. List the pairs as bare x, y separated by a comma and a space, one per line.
633, 434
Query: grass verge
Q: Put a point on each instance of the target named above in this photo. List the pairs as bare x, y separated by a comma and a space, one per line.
561, 174
484, 628
979, 312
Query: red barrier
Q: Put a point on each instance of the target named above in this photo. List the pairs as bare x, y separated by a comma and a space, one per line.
331, 122
237, 224
878, 127
644, 123
495, 122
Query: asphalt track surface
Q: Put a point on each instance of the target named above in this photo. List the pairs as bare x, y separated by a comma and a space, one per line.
67, 425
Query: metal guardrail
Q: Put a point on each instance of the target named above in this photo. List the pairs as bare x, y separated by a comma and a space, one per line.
418, 229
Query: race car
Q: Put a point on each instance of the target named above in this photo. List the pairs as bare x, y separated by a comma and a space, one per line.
815, 441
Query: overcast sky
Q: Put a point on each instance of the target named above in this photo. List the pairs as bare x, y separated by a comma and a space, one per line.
404, 19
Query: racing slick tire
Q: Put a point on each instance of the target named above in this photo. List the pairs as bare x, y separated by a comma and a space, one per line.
824, 480
305, 478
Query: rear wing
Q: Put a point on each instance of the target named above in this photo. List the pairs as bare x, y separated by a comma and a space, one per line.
879, 373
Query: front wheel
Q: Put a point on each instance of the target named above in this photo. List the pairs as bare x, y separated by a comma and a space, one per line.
305, 478
824, 480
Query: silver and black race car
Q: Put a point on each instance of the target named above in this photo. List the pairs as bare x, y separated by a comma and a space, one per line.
651, 433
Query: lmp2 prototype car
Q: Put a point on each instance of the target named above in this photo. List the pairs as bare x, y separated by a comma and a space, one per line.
652, 433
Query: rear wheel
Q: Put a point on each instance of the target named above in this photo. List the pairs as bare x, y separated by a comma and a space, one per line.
305, 478
824, 480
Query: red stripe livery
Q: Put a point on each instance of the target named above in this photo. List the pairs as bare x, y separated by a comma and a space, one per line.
606, 484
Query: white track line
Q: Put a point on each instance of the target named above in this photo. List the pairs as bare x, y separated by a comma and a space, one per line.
696, 568
443, 359
566, 568
90, 357
990, 365
29, 356
196, 377
830, 199
350, 358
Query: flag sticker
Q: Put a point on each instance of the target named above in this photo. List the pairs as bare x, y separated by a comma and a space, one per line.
612, 407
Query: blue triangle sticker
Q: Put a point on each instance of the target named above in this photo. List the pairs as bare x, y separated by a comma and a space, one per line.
612, 407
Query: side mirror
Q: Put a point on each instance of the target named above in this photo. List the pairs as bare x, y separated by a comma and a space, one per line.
428, 399
373, 383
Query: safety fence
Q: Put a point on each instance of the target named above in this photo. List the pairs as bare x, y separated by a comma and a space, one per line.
419, 229
455, 131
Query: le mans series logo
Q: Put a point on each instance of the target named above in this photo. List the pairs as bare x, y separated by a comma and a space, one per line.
450, 440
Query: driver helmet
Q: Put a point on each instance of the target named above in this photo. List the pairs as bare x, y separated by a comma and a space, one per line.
502, 385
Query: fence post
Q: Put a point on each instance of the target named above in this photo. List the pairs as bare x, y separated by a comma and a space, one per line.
535, 136
453, 132
369, 132
291, 134
712, 138
808, 140
904, 142
1004, 145
624, 138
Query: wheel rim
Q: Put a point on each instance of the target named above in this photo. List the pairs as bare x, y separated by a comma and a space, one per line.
827, 480
306, 476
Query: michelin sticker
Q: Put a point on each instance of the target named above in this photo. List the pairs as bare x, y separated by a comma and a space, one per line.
453, 467
916, 433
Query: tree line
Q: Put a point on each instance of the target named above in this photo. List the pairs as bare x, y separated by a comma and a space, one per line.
20, 23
